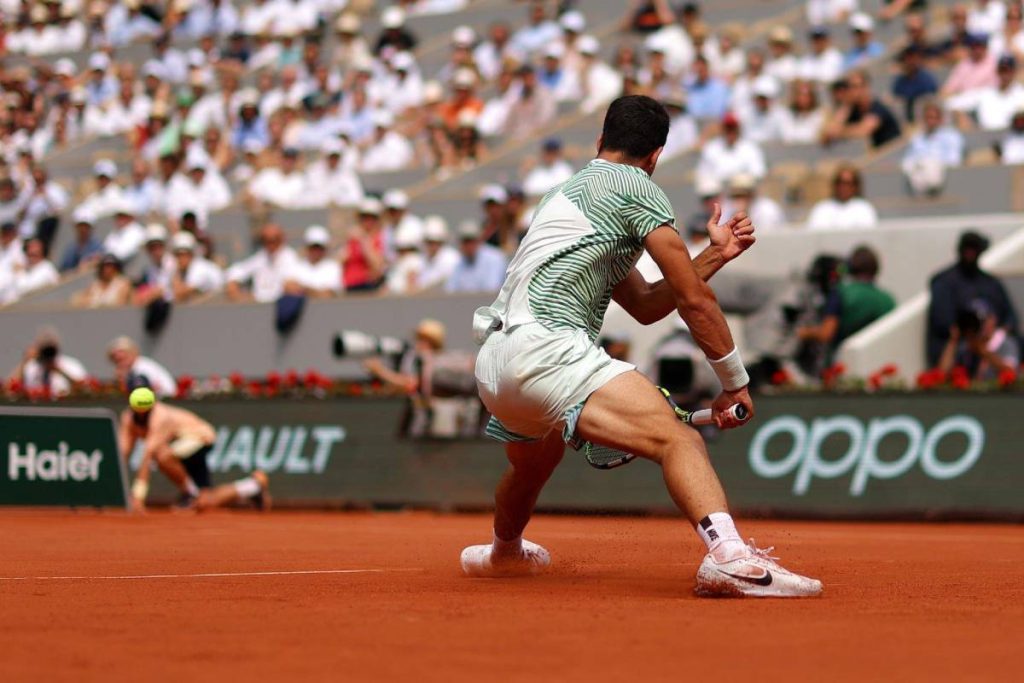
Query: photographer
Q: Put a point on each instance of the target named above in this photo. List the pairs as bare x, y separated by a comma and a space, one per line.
977, 343
45, 367
415, 366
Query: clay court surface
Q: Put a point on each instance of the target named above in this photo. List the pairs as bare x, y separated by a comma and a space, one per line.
339, 596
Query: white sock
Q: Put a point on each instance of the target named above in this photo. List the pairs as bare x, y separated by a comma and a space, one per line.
190, 487
503, 547
247, 488
718, 531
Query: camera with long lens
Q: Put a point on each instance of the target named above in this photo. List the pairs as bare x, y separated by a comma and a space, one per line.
48, 353
355, 344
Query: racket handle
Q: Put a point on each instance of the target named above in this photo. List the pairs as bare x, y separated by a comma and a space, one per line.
705, 417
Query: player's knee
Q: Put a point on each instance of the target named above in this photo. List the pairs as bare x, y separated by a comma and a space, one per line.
675, 439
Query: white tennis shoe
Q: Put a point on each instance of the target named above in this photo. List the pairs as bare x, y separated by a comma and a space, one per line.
480, 561
755, 574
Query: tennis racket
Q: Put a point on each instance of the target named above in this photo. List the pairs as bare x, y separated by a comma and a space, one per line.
607, 458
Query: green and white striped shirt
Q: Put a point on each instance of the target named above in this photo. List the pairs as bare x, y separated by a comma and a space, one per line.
586, 236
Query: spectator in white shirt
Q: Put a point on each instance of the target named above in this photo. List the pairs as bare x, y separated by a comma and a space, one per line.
481, 267
600, 83
1011, 147
266, 270
563, 84
725, 55
12, 249
404, 89
11, 202
45, 367
389, 150
44, 201
193, 275
729, 154
986, 17
37, 272
440, 258
803, 119
201, 189
284, 185
741, 99
763, 123
997, 104
783, 65
397, 217
552, 169
823, 63
329, 181
404, 275
765, 212
107, 196
821, 12
127, 235
351, 47
494, 116
846, 209
490, 54
683, 133
130, 366
155, 282
316, 275
675, 42
932, 150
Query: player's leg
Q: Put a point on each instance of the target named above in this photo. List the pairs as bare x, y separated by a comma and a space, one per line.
171, 467
629, 413
530, 466
254, 488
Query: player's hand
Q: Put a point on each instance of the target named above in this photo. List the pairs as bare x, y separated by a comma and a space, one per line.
31, 353
734, 236
726, 400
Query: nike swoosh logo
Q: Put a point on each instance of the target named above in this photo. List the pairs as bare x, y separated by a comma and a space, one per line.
765, 580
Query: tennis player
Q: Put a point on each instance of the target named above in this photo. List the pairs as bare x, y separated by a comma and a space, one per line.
179, 441
547, 383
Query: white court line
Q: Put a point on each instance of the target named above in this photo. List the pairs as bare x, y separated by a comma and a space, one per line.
207, 575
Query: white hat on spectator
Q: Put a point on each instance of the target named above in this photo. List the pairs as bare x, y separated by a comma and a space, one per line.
332, 146
573, 21
183, 241
742, 183
707, 185
464, 78
466, 119
195, 58
83, 215
156, 233
862, 21
38, 14
555, 51
99, 61
463, 36
392, 17
433, 92
200, 78
153, 68
363, 64
370, 207
382, 118
348, 23
105, 168
64, 67
493, 193
409, 236
395, 199
248, 97
765, 86
252, 146
183, 5
316, 235
435, 229
78, 96
403, 61
468, 230
780, 34
588, 45
125, 207
195, 159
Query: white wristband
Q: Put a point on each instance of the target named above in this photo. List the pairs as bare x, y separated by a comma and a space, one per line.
730, 371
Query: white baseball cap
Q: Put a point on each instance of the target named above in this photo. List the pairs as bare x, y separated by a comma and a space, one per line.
348, 23
99, 61
435, 229
707, 185
83, 215
765, 86
395, 199
555, 51
332, 146
573, 21
408, 236
382, 118
317, 235
392, 17
155, 233
588, 45
861, 21
493, 193
183, 241
464, 78
463, 36
433, 92
403, 61
104, 167
370, 207
64, 67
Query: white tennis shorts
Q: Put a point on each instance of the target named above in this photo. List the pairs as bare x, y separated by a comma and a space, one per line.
534, 380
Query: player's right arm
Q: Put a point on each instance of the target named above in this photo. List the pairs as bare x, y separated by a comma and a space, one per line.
698, 306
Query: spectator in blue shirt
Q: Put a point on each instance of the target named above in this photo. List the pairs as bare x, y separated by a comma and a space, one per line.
86, 249
481, 268
250, 126
936, 139
914, 81
707, 97
865, 48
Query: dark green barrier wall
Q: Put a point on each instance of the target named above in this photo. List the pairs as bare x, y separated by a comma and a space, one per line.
59, 457
869, 456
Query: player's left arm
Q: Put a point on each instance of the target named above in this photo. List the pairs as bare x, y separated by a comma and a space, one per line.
649, 302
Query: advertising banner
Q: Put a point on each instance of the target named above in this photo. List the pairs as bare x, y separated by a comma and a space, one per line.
60, 457
942, 456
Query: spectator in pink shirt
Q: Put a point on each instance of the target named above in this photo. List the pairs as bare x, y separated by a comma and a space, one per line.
971, 75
